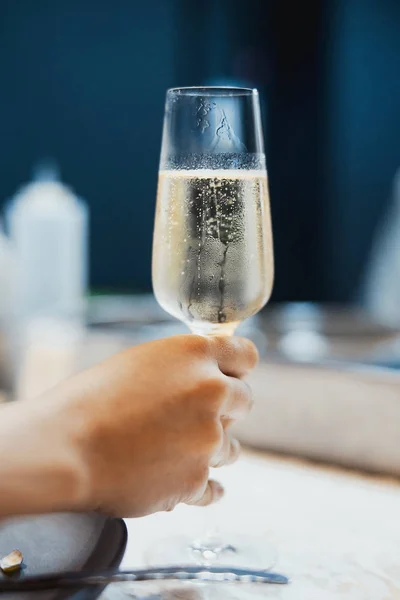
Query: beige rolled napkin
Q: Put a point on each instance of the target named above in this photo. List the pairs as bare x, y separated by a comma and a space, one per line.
351, 418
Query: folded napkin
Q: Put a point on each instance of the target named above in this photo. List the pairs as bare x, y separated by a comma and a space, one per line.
347, 417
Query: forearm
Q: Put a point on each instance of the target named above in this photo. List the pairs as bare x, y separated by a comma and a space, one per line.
40, 471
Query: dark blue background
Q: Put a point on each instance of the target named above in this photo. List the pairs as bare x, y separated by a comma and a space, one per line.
84, 82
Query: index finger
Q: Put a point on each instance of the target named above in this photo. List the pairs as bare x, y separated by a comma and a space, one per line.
236, 356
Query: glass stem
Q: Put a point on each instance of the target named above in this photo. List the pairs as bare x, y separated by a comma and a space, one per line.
213, 329
207, 548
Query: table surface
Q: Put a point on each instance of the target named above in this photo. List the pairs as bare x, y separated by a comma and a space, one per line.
336, 532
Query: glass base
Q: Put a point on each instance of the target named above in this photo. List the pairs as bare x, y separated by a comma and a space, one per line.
246, 551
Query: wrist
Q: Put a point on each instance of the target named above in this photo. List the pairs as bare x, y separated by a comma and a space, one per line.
40, 470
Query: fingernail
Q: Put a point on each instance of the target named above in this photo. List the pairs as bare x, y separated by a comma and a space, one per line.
218, 490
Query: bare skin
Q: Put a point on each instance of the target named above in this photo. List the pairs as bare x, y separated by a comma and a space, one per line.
134, 435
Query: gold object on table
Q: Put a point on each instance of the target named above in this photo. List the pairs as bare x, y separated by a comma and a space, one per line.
12, 562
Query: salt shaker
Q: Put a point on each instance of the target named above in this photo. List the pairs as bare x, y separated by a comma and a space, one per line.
48, 226
381, 289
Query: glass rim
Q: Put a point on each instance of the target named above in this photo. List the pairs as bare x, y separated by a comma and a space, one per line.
211, 90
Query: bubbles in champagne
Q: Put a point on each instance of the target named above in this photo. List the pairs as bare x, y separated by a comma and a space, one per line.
212, 256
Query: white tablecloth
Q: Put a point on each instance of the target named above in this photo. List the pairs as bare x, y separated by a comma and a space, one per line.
337, 533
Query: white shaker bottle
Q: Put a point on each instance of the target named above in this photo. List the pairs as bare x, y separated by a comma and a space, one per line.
48, 226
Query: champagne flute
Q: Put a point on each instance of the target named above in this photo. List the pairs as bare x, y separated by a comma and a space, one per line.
212, 249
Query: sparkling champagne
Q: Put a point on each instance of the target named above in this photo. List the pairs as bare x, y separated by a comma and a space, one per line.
212, 255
